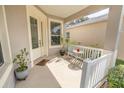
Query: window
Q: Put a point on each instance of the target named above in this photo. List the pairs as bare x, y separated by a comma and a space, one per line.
1, 56
94, 17
34, 32
55, 31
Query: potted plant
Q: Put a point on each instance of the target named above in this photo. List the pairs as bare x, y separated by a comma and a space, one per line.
64, 43
21, 61
116, 77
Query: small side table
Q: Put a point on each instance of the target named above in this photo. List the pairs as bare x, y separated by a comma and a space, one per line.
77, 53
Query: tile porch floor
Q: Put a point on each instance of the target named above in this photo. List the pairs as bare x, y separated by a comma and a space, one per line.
39, 77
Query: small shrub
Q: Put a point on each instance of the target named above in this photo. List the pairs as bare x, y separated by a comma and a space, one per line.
116, 77
119, 62
21, 60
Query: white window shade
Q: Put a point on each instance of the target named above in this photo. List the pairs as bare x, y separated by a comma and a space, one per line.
98, 14
91, 18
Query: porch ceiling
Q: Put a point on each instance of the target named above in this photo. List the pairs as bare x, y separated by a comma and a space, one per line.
62, 11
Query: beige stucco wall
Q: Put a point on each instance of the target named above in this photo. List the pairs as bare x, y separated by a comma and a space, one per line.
17, 28
89, 34
94, 34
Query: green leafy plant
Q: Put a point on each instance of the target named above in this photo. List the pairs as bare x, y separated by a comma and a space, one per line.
119, 62
67, 41
64, 41
116, 77
21, 60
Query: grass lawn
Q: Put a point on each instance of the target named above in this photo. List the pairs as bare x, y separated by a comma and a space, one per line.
119, 62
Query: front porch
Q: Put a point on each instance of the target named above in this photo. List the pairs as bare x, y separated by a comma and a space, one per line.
41, 33
70, 71
42, 77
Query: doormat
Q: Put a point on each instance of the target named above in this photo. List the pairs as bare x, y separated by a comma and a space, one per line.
43, 62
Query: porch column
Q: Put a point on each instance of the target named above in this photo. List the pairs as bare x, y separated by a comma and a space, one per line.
115, 19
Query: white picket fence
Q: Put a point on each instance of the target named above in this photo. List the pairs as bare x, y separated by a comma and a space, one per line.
96, 63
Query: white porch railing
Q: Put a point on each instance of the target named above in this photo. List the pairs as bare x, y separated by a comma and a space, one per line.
96, 63
88, 52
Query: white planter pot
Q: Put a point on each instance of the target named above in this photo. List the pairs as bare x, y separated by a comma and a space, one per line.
21, 75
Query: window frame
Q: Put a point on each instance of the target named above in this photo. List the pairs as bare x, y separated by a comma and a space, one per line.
61, 32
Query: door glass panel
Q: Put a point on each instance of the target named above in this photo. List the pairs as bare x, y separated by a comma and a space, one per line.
42, 33
34, 32
1, 56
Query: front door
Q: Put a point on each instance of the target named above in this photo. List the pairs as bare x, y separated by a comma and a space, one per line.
36, 38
